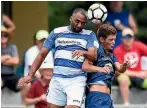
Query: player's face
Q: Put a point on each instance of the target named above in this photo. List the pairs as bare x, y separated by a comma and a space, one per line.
109, 42
77, 22
4, 38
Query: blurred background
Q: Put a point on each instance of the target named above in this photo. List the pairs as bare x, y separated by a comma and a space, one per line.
29, 17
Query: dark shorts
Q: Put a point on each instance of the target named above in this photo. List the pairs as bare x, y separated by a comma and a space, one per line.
11, 82
97, 99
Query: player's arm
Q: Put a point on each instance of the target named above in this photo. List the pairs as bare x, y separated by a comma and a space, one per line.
122, 67
89, 67
92, 45
38, 61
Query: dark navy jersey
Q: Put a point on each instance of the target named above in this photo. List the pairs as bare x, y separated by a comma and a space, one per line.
103, 59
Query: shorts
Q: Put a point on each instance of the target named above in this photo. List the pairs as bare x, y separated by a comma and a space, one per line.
96, 99
11, 82
133, 81
66, 91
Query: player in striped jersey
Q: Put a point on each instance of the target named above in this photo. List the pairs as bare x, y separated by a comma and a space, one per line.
72, 44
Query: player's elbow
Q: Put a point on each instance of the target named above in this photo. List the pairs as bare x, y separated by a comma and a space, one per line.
85, 67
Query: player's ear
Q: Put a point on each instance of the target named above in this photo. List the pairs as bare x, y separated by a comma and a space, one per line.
101, 39
70, 19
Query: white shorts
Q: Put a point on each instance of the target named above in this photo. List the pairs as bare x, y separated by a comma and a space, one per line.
66, 91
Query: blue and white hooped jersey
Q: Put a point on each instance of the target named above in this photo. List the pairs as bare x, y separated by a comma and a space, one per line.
65, 42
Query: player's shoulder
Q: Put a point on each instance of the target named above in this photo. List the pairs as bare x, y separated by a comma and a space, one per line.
87, 32
61, 29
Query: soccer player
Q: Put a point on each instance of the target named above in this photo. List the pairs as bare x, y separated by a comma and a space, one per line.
103, 69
72, 43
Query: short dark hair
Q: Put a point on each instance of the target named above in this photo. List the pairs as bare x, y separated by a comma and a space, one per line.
105, 30
80, 10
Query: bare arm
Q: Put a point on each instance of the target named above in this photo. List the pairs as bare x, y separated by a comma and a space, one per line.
38, 61
9, 23
4, 58
91, 54
12, 61
122, 67
89, 67
31, 101
133, 24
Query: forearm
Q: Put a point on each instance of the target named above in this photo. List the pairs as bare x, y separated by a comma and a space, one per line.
3, 59
90, 56
11, 62
36, 64
122, 69
31, 101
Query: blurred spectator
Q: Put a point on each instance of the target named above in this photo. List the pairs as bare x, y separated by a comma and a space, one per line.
6, 21
9, 58
120, 19
30, 56
37, 93
134, 76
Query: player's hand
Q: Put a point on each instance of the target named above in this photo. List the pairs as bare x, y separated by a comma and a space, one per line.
126, 64
43, 97
105, 69
24, 80
77, 53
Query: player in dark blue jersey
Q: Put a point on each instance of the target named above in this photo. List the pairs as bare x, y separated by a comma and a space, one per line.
103, 69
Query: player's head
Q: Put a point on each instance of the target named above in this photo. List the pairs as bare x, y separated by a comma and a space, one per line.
107, 35
127, 37
40, 37
116, 6
5, 35
78, 20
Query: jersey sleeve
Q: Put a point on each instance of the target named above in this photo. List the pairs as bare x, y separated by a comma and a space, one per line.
92, 41
50, 41
114, 59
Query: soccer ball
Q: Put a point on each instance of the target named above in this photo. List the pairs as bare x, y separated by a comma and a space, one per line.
97, 13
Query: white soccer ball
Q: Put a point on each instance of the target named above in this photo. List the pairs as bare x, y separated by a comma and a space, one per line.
97, 13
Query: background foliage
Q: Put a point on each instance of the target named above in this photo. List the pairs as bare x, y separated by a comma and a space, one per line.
60, 11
